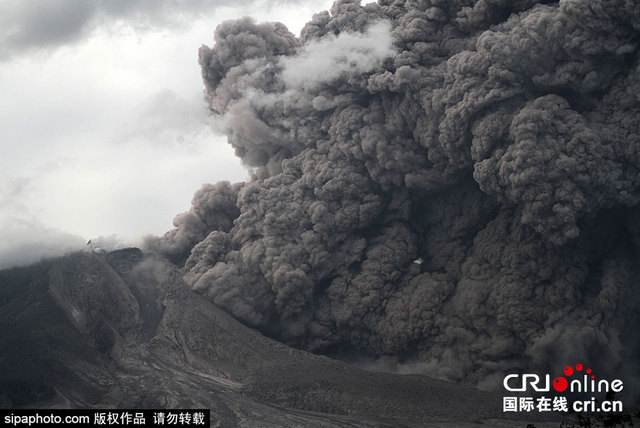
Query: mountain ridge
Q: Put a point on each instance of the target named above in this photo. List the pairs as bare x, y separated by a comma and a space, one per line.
122, 329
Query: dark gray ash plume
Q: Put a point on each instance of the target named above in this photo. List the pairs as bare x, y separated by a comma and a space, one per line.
450, 182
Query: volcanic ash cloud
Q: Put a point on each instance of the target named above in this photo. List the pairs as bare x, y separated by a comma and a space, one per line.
455, 183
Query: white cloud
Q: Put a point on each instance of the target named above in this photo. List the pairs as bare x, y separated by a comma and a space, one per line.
326, 59
166, 118
108, 133
26, 241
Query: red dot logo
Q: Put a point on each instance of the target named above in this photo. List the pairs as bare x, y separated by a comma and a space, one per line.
579, 367
560, 384
568, 371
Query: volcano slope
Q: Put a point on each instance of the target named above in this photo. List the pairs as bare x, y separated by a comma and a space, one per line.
123, 330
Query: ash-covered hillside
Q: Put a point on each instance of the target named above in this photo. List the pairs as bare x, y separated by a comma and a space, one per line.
450, 184
123, 330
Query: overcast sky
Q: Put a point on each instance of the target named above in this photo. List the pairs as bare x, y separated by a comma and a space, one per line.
103, 129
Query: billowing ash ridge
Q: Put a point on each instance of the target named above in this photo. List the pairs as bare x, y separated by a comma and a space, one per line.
497, 142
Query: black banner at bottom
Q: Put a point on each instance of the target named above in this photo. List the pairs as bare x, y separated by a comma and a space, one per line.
196, 418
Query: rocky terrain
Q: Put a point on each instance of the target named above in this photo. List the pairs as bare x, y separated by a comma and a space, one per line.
122, 329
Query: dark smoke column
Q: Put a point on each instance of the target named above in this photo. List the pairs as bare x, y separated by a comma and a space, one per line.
449, 182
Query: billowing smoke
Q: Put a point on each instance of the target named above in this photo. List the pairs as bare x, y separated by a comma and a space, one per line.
450, 182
